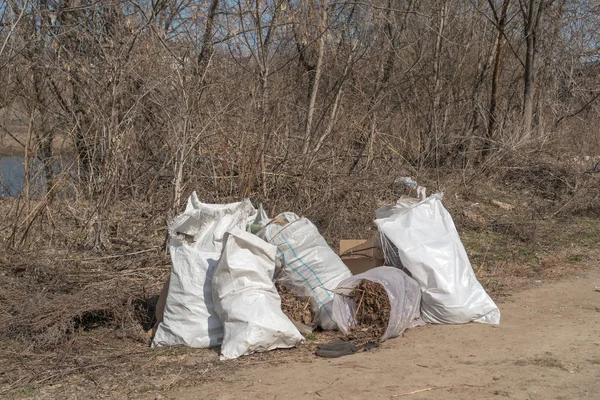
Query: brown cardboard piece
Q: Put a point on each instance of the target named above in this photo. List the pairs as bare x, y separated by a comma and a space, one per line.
361, 255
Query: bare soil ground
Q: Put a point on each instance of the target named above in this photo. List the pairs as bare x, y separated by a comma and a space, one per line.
547, 347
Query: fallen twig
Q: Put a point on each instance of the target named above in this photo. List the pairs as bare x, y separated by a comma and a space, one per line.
113, 256
325, 388
435, 388
9, 387
69, 371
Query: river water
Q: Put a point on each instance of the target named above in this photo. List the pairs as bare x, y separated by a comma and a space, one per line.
13, 177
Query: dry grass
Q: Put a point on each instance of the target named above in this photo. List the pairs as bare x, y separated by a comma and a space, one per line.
120, 366
47, 303
72, 314
56, 286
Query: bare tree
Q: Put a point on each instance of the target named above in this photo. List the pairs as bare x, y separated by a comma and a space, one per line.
532, 11
275, 99
500, 22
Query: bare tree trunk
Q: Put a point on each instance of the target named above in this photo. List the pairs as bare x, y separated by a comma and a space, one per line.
528, 83
336, 104
317, 77
207, 47
264, 52
435, 128
178, 183
501, 24
45, 136
191, 97
393, 31
531, 18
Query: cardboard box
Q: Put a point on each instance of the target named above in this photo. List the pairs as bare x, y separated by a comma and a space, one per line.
361, 255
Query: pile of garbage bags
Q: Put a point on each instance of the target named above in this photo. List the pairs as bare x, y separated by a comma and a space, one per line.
227, 257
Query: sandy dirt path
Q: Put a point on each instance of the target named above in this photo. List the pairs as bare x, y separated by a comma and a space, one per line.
547, 347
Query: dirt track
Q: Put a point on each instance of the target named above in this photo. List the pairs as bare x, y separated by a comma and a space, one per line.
547, 347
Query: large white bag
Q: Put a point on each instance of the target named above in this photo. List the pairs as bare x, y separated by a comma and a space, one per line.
403, 292
196, 243
311, 267
246, 300
429, 247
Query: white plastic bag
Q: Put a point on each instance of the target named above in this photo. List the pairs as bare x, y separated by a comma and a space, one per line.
311, 267
402, 290
196, 243
429, 247
246, 300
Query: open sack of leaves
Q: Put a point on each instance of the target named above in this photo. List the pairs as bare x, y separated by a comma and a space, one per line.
377, 305
296, 307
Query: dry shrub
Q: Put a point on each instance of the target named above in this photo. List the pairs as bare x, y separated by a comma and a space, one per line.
372, 314
46, 301
47, 321
552, 186
523, 231
56, 285
549, 181
585, 201
469, 218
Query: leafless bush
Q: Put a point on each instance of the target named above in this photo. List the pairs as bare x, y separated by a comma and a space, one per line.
310, 106
46, 302
239, 95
